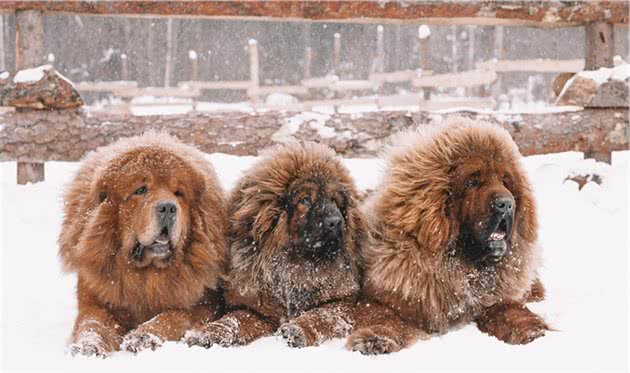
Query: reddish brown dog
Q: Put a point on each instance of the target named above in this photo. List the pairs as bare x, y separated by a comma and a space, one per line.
144, 229
295, 234
455, 229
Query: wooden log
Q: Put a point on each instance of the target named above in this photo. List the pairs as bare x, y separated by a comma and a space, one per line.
68, 135
38, 88
29, 52
600, 45
501, 12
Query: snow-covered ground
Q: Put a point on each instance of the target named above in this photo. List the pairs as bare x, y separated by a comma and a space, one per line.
584, 234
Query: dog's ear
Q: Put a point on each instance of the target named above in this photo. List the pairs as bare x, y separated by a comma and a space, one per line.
80, 200
526, 218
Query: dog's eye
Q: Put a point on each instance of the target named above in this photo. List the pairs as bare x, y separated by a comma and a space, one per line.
472, 183
306, 201
142, 190
506, 181
179, 193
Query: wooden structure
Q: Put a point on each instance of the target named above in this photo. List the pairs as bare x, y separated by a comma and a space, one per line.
597, 17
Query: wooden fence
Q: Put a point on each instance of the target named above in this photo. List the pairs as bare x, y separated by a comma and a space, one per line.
33, 129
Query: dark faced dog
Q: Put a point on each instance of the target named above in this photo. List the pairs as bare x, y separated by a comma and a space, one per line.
144, 229
295, 233
454, 228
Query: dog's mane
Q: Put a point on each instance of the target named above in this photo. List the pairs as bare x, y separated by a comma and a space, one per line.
414, 234
89, 239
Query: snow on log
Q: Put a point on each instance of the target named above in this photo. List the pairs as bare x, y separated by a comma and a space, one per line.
68, 135
605, 87
38, 88
502, 12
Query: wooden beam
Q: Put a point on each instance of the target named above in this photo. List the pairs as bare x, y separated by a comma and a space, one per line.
463, 79
501, 12
68, 135
600, 45
29, 52
534, 65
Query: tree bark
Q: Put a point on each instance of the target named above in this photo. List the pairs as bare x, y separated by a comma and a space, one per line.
502, 12
68, 135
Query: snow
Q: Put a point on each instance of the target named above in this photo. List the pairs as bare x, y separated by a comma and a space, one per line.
424, 32
584, 235
603, 74
31, 75
192, 55
4, 75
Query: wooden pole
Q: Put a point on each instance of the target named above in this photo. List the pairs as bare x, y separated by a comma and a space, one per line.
3, 65
308, 59
599, 45
29, 52
424, 33
194, 65
336, 52
252, 47
169, 52
498, 55
380, 49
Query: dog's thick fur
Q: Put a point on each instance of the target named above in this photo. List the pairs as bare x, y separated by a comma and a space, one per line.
417, 279
143, 301
272, 284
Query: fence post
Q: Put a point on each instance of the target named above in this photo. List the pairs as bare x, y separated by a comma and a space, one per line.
498, 55
194, 65
252, 47
308, 57
29, 52
380, 50
336, 52
424, 33
599, 45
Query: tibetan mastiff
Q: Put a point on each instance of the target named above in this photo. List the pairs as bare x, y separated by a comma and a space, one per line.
453, 240
144, 228
295, 233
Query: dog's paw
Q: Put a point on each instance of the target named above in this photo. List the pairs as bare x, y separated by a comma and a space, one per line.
89, 344
513, 324
219, 332
294, 335
136, 341
370, 343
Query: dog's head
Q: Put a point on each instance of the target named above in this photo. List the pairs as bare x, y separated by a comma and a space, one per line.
459, 185
299, 199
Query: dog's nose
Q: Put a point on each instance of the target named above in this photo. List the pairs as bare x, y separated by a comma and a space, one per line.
503, 205
166, 212
332, 223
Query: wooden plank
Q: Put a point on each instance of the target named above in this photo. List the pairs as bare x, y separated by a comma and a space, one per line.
288, 89
156, 91
105, 86
235, 85
395, 76
596, 132
501, 12
532, 65
464, 79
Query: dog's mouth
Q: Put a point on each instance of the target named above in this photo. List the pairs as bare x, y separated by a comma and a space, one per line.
497, 241
160, 249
